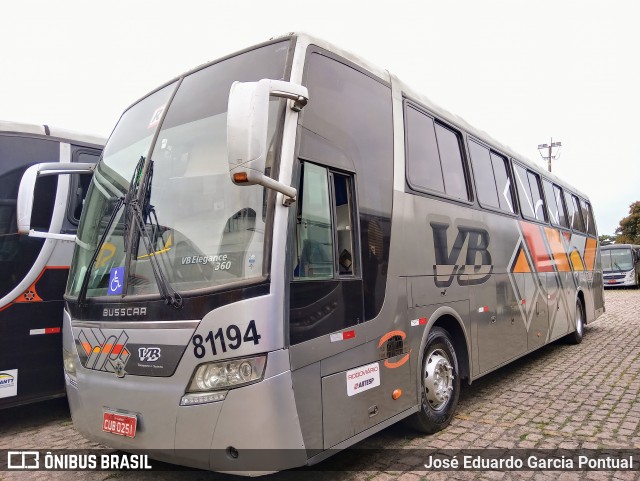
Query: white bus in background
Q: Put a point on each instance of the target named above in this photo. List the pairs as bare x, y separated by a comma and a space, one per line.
621, 265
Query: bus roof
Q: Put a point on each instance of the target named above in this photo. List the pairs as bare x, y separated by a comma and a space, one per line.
47, 131
455, 120
620, 246
444, 114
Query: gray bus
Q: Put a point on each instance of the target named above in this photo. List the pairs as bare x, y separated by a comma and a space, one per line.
621, 265
288, 249
33, 270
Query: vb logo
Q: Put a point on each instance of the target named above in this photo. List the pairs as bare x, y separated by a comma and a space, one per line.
149, 354
468, 259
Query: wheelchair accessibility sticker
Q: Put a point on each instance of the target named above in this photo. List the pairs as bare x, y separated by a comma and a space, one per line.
116, 281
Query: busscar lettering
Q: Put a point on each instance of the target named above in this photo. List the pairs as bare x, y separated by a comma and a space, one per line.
124, 311
477, 267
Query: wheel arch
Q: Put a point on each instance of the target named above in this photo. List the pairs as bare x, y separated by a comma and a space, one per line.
448, 319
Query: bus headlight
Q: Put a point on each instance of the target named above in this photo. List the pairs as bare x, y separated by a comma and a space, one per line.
68, 358
69, 361
227, 374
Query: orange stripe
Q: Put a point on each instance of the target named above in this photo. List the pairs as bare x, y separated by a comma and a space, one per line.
590, 254
535, 242
576, 261
17, 299
557, 249
391, 334
87, 347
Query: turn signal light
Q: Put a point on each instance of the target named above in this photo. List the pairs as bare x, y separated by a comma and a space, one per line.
396, 394
240, 178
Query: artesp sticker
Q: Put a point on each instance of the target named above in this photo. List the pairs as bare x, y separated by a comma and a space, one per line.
363, 378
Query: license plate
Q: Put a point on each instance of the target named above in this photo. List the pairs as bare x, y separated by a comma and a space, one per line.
121, 424
611, 282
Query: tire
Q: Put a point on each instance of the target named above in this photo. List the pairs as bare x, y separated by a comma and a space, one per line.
439, 370
576, 336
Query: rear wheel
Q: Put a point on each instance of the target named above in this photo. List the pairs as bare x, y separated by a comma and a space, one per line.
440, 382
576, 336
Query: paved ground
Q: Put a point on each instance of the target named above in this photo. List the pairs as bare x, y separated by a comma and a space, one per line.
562, 396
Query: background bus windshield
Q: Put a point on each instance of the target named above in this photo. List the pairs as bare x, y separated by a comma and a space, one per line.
616, 260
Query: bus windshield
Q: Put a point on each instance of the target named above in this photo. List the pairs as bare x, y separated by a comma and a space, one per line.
203, 230
616, 260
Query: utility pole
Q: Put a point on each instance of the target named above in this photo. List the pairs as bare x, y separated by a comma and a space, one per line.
550, 147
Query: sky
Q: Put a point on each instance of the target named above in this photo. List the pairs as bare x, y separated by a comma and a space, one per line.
523, 71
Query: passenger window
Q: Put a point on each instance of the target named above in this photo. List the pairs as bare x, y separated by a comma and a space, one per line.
503, 182
587, 216
562, 213
483, 174
455, 183
423, 161
492, 178
434, 156
536, 196
553, 194
575, 217
530, 193
524, 192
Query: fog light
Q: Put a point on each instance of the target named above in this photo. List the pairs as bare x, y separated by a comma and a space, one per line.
202, 398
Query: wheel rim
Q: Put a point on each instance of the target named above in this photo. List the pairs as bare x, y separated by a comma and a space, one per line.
438, 380
579, 321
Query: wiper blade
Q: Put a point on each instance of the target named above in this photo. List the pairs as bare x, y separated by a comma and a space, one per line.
82, 295
170, 296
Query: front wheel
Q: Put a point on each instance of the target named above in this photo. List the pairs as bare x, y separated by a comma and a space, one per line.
440, 382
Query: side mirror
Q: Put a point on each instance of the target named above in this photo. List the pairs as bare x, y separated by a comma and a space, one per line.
247, 123
27, 190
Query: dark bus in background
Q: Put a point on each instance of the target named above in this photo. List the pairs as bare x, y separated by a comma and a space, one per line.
621, 265
33, 270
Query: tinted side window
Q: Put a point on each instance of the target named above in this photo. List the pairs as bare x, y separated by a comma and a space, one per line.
455, 183
503, 182
483, 174
575, 216
524, 192
434, 156
423, 162
562, 213
553, 194
587, 216
536, 197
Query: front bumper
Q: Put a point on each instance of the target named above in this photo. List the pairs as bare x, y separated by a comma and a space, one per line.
258, 423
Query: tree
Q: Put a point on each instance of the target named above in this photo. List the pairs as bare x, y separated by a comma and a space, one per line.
606, 240
629, 229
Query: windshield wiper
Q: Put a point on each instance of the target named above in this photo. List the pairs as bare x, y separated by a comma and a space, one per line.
142, 194
82, 295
